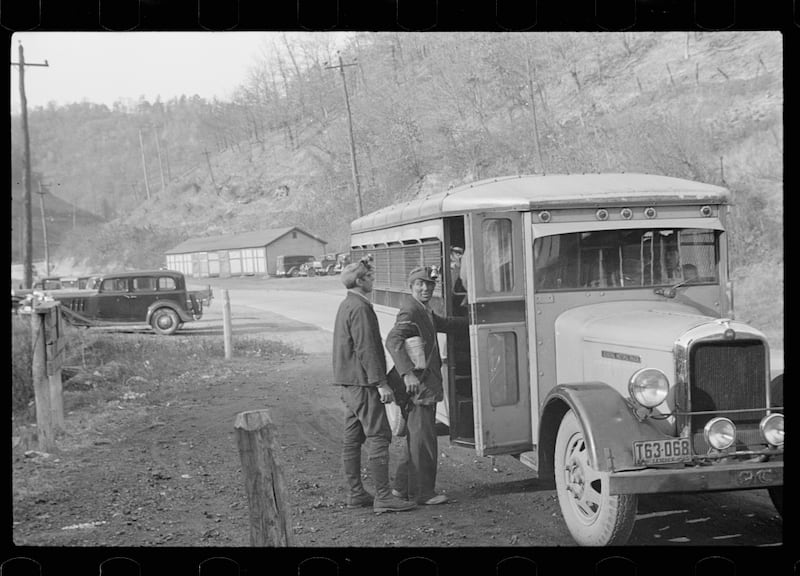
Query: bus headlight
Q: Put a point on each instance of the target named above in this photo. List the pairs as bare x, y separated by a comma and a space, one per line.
648, 387
772, 429
720, 433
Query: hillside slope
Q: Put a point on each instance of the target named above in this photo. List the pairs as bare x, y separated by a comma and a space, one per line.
430, 111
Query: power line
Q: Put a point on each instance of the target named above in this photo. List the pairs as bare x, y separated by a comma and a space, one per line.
27, 245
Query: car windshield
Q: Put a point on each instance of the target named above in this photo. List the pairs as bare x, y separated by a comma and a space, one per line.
635, 258
92, 283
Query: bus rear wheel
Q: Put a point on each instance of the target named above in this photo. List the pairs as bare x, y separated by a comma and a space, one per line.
593, 516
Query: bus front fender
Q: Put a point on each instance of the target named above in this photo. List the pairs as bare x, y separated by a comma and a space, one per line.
608, 421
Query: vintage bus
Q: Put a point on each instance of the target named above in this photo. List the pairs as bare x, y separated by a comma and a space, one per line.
602, 349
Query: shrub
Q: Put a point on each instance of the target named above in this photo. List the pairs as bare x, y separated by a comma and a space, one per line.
98, 364
21, 360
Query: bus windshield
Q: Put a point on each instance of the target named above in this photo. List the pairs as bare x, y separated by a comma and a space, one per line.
604, 259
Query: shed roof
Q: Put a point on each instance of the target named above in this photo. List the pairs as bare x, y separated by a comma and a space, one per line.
546, 191
252, 239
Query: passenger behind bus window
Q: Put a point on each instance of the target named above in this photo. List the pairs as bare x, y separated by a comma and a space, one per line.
689, 273
458, 280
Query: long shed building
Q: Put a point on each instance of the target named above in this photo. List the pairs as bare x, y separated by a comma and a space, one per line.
244, 254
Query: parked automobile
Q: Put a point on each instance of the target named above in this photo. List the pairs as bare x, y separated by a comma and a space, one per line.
55, 283
72, 282
155, 297
322, 267
342, 260
51, 283
294, 265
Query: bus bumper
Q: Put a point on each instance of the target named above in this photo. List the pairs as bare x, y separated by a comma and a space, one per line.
697, 478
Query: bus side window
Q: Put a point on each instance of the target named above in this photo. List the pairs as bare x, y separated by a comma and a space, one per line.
498, 268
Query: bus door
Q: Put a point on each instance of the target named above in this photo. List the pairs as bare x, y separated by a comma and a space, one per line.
498, 333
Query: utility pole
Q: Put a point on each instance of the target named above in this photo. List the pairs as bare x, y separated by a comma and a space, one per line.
27, 246
533, 111
44, 231
350, 129
160, 165
166, 161
20, 237
144, 165
211, 172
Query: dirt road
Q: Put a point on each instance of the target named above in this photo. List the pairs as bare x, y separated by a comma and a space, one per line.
162, 470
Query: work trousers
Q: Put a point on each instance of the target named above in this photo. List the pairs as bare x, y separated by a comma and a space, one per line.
416, 472
365, 422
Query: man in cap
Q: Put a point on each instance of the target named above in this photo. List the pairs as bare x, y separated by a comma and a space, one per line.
416, 474
359, 367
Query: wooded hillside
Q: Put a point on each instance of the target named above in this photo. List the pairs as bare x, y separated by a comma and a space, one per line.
429, 110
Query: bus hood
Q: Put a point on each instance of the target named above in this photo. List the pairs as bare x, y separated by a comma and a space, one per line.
608, 342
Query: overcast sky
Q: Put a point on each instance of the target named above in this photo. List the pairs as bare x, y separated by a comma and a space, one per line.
105, 67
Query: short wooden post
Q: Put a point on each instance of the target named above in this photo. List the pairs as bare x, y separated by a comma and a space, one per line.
41, 382
54, 354
267, 495
226, 324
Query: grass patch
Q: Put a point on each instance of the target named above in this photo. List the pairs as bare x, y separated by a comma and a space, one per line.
21, 359
100, 366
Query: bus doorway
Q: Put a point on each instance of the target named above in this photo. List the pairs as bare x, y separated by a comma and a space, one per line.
459, 358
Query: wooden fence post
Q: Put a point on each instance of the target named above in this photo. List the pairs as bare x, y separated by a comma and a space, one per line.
47, 344
226, 324
267, 495
54, 353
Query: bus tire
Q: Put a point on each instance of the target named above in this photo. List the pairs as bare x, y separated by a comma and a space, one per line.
592, 515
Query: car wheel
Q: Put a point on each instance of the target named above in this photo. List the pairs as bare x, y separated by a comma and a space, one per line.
312, 272
592, 515
329, 270
165, 321
294, 273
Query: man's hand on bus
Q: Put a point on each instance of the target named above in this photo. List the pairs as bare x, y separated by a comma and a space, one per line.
387, 396
412, 383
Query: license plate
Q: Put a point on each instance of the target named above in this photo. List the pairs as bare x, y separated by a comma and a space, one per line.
647, 452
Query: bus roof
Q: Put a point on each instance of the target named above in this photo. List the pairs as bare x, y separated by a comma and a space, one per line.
540, 191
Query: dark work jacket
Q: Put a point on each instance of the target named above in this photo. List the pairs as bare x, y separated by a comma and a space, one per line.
358, 355
413, 320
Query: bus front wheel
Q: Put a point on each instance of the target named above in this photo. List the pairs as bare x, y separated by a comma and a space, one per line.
593, 516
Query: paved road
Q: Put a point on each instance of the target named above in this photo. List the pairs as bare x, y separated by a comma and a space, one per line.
298, 311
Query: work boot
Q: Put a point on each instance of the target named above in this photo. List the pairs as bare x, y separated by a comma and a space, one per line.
385, 501
360, 500
392, 504
351, 462
435, 500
